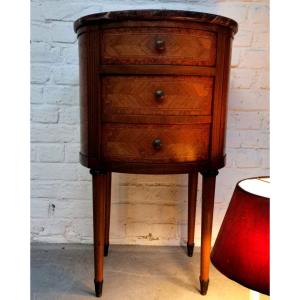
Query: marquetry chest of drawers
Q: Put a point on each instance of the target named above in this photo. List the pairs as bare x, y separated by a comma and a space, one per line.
153, 97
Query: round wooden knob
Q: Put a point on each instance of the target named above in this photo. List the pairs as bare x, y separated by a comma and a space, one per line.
160, 45
159, 95
157, 144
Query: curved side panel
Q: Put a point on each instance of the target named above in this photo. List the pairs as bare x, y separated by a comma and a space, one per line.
83, 41
219, 110
89, 59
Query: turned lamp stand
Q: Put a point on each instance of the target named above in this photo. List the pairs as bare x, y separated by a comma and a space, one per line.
153, 100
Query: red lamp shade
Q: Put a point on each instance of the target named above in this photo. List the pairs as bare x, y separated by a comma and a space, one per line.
242, 248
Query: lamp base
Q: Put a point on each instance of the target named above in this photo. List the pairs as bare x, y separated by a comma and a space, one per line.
190, 249
98, 288
204, 286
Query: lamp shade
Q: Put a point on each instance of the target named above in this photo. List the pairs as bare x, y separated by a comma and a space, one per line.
242, 248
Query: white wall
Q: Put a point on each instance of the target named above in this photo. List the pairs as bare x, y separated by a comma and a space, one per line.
145, 209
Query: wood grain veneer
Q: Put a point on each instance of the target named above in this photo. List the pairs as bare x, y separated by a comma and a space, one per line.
132, 142
138, 46
137, 95
153, 99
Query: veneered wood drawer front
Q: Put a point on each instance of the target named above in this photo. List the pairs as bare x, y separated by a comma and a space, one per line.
140, 143
157, 95
162, 46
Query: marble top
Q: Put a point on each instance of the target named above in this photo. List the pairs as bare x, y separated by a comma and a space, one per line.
154, 14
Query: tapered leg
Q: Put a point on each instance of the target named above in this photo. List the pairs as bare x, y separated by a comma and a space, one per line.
208, 193
192, 202
107, 213
99, 204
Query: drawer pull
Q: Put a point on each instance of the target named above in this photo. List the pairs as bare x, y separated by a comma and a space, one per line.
159, 95
160, 45
157, 144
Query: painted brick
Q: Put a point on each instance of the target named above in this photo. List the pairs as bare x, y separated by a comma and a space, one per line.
181, 211
235, 57
263, 80
148, 232
248, 139
63, 11
248, 100
247, 120
266, 121
39, 207
242, 78
54, 133
154, 213
36, 94
69, 115
259, 14
248, 158
254, 58
76, 95
253, 27
265, 158
67, 74
36, 227
83, 172
60, 209
80, 230
45, 189
70, 54
50, 152
63, 32
36, 11
53, 171
146, 209
33, 153
97, 6
44, 52
50, 229
73, 209
81, 190
237, 12
40, 73
261, 40
42, 114
117, 231
243, 38
72, 152
156, 180
230, 163
228, 178
40, 32
149, 194
54, 94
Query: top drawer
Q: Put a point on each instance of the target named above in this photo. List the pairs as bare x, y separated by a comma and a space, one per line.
162, 46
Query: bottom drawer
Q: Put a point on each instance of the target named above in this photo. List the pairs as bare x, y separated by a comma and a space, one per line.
155, 143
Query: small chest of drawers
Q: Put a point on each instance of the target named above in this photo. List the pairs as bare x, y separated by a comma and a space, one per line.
153, 92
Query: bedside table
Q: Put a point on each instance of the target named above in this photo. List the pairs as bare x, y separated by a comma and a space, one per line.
153, 99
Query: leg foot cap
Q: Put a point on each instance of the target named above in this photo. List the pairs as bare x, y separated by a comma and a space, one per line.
98, 288
106, 246
190, 250
204, 286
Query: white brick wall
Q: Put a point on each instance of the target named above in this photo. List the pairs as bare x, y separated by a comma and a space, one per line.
145, 209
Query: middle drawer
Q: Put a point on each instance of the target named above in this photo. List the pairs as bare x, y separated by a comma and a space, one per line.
156, 95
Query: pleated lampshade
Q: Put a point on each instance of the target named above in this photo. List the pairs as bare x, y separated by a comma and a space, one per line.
242, 248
